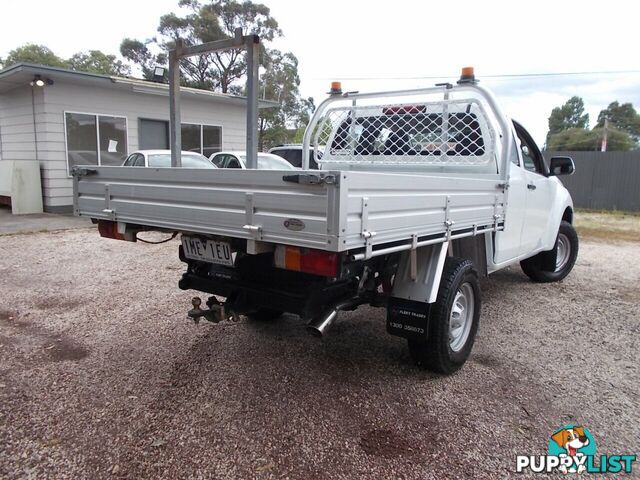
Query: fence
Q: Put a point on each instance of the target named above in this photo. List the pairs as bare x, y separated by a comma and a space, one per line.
604, 180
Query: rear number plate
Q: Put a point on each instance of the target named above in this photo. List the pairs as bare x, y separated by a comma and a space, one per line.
207, 250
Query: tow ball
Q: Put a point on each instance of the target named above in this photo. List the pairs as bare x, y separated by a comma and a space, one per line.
215, 314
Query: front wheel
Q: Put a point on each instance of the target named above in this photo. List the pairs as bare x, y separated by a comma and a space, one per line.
453, 320
566, 253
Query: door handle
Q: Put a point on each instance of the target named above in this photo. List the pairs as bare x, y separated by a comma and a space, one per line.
531, 186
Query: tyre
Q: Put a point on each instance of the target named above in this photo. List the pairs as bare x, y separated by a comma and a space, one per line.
566, 253
265, 315
453, 320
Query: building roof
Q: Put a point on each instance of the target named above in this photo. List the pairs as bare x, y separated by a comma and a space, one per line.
22, 73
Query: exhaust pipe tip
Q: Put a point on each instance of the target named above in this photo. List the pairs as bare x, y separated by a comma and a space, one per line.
315, 331
319, 326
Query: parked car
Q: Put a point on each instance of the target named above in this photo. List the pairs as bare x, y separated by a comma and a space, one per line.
266, 161
162, 158
292, 153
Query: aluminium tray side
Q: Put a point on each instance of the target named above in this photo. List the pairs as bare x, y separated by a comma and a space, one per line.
401, 205
336, 217
217, 202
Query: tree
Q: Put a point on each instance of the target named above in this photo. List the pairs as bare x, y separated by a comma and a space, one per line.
95, 61
569, 115
223, 71
623, 117
141, 55
206, 23
280, 82
36, 54
582, 139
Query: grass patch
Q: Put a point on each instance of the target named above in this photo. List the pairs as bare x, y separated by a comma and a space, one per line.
608, 225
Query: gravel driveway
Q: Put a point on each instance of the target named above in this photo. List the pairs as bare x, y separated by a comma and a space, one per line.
102, 376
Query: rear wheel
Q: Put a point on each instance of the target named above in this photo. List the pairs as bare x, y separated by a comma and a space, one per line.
453, 320
566, 253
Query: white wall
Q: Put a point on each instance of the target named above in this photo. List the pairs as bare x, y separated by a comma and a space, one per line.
16, 124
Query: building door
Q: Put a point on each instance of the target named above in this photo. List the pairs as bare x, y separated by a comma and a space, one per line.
153, 134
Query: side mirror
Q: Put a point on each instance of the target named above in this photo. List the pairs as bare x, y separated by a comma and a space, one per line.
561, 166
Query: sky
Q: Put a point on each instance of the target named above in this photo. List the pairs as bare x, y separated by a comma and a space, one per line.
373, 45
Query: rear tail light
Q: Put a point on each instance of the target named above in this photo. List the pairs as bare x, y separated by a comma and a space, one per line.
109, 229
307, 260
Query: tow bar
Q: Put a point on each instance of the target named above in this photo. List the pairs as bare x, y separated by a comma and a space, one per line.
215, 314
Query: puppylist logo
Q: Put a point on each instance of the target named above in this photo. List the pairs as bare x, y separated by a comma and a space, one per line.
572, 449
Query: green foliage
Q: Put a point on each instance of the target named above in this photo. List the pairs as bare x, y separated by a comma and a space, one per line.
95, 61
568, 116
568, 128
139, 53
203, 23
36, 54
582, 139
623, 117
225, 71
280, 82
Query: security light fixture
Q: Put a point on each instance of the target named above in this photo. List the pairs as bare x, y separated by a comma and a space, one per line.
158, 74
38, 81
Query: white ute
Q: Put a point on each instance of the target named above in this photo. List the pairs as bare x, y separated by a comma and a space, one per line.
419, 194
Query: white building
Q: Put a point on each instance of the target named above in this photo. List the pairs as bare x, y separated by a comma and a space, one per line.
70, 118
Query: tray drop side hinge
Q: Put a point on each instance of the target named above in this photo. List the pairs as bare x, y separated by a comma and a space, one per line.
254, 230
366, 233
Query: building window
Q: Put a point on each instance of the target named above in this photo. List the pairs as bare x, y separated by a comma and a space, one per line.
95, 139
211, 140
204, 139
191, 141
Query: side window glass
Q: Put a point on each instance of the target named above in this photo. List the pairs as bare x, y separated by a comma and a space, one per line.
514, 153
528, 160
218, 160
529, 156
294, 157
139, 161
129, 161
233, 163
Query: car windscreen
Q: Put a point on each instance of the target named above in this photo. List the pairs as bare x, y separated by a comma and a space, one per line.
188, 161
270, 162
294, 157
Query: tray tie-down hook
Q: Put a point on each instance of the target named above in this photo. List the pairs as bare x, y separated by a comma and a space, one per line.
215, 314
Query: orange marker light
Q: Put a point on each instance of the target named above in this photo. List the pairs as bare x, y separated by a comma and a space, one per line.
292, 258
467, 76
336, 88
467, 72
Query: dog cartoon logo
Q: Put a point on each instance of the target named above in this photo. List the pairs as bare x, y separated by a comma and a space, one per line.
572, 444
572, 449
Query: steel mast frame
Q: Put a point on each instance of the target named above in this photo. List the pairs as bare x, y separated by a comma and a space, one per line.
251, 44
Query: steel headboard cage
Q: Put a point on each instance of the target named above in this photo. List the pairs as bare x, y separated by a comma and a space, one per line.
412, 128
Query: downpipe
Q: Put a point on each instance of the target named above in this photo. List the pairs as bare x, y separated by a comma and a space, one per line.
320, 326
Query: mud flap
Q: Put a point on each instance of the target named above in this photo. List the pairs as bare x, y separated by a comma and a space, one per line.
408, 318
547, 260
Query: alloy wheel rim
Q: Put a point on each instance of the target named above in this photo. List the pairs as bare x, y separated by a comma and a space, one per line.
461, 317
563, 252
